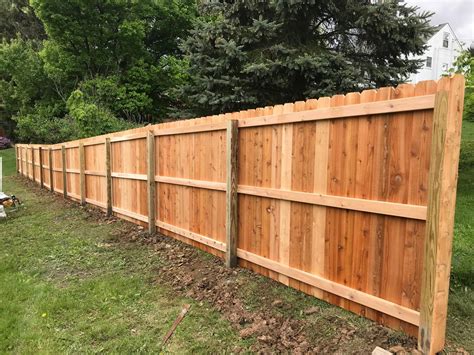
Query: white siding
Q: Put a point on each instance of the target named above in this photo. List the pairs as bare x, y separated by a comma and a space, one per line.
442, 58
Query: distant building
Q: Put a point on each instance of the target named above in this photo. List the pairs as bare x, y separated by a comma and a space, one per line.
443, 49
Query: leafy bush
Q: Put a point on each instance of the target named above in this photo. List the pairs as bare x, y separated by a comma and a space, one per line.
34, 127
92, 119
45, 123
5, 143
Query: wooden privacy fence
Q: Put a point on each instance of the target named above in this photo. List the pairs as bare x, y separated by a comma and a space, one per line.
349, 198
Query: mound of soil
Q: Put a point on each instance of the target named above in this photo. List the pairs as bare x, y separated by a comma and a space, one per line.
204, 278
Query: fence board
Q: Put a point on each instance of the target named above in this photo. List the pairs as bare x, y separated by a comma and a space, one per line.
442, 200
332, 195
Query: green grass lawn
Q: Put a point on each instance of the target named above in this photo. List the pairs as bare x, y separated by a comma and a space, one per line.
8, 161
64, 288
461, 298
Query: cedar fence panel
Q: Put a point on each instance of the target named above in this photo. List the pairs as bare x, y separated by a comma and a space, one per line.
334, 195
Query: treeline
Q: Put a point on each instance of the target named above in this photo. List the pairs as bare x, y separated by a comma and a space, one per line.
76, 68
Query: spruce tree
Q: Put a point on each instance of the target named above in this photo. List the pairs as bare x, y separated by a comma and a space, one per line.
250, 53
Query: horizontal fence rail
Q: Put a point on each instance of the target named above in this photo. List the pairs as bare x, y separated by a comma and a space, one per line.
343, 198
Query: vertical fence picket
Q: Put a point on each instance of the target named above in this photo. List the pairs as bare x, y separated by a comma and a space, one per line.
27, 164
33, 164
51, 175
82, 176
108, 176
151, 181
63, 159
20, 152
40, 152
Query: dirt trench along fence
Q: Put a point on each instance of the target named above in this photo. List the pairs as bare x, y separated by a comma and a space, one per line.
349, 198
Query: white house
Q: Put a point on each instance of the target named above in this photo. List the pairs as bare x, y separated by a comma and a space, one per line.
439, 57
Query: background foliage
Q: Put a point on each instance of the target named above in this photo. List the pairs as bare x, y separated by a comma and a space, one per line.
465, 65
71, 69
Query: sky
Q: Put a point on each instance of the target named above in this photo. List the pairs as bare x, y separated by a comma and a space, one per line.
459, 14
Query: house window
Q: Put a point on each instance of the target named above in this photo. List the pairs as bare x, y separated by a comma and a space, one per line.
445, 40
428, 62
444, 67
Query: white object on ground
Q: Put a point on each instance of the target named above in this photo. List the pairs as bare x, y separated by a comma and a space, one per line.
2, 212
380, 351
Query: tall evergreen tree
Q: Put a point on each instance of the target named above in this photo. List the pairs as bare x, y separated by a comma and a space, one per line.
248, 53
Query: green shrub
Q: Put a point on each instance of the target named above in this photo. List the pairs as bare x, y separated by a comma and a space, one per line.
92, 119
45, 123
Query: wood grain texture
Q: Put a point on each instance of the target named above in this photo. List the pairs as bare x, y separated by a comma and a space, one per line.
151, 182
441, 203
400, 312
108, 176
82, 168
40, 153
321, 150
232, 223
349, 110
33, 168
63, 166
346, 203
285, 184
348, 198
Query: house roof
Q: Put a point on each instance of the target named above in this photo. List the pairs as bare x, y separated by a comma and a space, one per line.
441, 26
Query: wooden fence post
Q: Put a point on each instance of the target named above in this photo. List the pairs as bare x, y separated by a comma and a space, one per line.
63, 158
40, 152
51, 176
232, 224
108, 176
151, 182
33, 163
446, 139
82, 175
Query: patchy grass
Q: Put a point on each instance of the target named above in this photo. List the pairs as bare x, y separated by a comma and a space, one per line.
67, 287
